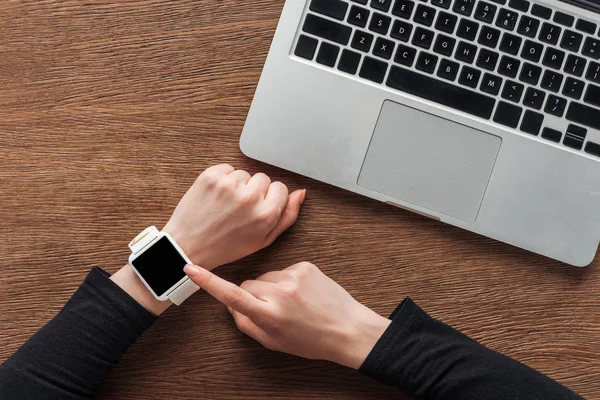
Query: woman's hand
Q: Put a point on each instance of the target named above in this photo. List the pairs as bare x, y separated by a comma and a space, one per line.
298, 311
227, 215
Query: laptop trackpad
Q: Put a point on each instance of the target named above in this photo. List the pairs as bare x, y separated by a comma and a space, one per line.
429, 161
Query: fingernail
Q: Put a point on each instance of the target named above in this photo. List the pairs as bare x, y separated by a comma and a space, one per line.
303, 196
191, 270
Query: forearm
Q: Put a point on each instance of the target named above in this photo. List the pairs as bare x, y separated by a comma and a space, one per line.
127, 280
428, 359
70, 357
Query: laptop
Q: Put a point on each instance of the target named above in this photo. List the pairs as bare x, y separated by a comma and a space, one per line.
481, 114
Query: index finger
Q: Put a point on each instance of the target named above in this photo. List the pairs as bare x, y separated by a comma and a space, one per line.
219, 170
226, 292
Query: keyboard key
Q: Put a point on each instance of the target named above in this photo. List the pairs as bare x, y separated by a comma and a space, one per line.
577, 131
441, 3
426, 62
332, 8
541, 11
349, 61
501, 2
532, 122
373, 70
573, 142
571, 41
380, 23
508, 114
424, 15
327, 54
552, 134
555, 105
383, 5
403, 8
552, 81
358, 16
512, 91
384, 48
534, 98
469, 77
446, 22
563, 19
586, 26
530, 74
361, 1
591, 48
444, 45
509, 66
487, 59
592, 95
489, 36
510, 44
306, 47
362, 41
327, 29
532, 51
521, 5
441, 92
465, 52
485, 12
528, 26
575, 136
573, 88
464, 7
491, 84
593, 72
550, 33
423, 38
575, 65
467, 29
507, 19
405, 55
553, 58
592, 148
448, 69
401, 30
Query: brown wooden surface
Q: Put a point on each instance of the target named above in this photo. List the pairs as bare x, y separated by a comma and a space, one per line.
108, 111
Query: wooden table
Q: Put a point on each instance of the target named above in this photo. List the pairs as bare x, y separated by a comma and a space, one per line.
109, 110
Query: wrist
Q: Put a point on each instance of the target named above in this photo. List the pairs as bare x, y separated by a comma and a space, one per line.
127, 280
360, 337
194, 252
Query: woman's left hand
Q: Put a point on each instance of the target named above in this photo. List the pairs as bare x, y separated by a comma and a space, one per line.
228, 214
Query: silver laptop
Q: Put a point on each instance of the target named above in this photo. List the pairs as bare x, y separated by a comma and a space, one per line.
482, 114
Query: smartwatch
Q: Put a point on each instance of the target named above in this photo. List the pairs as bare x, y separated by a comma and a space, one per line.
158, 261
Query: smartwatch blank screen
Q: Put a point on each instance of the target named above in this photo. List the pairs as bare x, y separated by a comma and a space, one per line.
161, 266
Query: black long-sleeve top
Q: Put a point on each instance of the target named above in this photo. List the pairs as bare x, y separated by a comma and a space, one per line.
71, 356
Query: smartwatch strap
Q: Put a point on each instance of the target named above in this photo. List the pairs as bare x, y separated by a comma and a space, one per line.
143, 239
183, 291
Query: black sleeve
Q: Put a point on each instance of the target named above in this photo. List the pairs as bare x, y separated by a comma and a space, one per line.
70, 357
428, 359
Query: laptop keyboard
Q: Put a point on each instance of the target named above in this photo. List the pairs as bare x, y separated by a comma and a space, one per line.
519, 64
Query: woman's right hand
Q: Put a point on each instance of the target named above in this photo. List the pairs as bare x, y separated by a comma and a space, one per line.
299, 311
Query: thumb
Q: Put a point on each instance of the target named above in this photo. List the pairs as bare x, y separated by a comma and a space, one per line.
224, 291
289, 215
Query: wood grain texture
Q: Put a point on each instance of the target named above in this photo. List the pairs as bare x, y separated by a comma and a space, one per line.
109, 110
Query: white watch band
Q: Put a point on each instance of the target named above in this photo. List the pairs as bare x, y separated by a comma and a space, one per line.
142, 240
183, 291
147, 236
